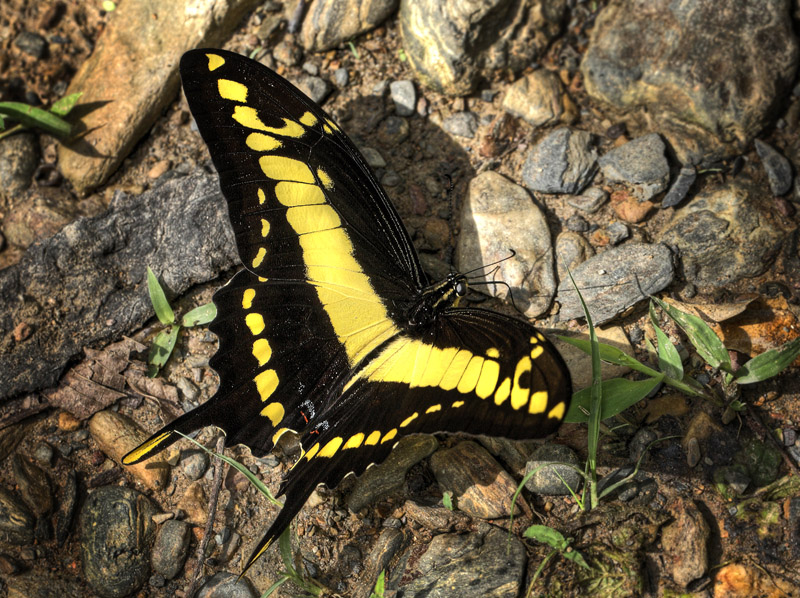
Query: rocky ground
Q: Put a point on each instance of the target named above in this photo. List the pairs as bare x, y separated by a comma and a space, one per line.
651, 146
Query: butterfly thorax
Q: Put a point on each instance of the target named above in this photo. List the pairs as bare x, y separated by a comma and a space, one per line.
436, 298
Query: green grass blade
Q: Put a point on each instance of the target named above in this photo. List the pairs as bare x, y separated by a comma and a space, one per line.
285, 547
161, 306
162, 348
768, 364
669, 360
63, 106
271, 590
380, 584
700, 334
200, 315
618, 395
31, 116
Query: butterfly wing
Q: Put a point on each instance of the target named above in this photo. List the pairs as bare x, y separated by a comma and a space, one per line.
474, 371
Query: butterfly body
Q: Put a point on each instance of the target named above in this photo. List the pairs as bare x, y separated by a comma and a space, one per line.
332, 330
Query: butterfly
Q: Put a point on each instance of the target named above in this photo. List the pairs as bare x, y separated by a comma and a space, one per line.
332, 331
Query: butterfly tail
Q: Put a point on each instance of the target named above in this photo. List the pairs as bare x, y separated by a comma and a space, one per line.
185, 424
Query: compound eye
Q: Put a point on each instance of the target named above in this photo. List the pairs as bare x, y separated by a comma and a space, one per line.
461, 288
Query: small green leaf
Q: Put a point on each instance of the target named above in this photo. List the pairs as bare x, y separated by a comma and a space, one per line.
447, 500
31, 116
618, 395
162, 348
285, 547
2, 123
669, 360
576, 557
200, 315
109, 6
700, 334
379, 586
63, 106
546, 535
768, 364
159, 299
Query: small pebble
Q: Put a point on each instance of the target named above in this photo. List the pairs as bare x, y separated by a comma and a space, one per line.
462, 124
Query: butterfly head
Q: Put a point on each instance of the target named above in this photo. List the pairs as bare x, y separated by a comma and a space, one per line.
436, 298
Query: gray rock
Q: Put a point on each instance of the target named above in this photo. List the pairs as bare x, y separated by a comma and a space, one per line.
612, 281
19, 156
389, 475
497, 216
171, 548
484, 563
451, 45
341, 77
315, 88
572, 249
227, 585
404, 97
116, 532
373, 157
463, 124
725, 233
577, 224
779, 171
640, 164
331, 23
617, 232
188, 389
393, 131
549, 480
680, 186
678, 61
43, 453
16, 521
590, 200
563, 162
93, 274
194, 464
539, 99
32, 44
381, 553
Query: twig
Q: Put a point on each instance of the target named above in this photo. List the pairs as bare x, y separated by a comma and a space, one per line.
212, 509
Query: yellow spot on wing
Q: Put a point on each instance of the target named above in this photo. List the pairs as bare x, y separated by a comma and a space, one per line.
232, 90
291, 194
329, 450
264, 227
433, 408
471, 375
493, 352
308, 119
248, 117
260, 142
389, 435
519, 393
261, 196
503, 392
266, 383
275, 413
409, 419
354, 441
262, 351
557, 412
536, 351
309, 219
259, 257
373, 438
457, 404
538, 402
247, 298
214, 61
456, 370
312, 451
325, 179
281, 168
488, 380
255, 322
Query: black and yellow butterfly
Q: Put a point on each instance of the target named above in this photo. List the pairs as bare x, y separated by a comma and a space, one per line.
332, 330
